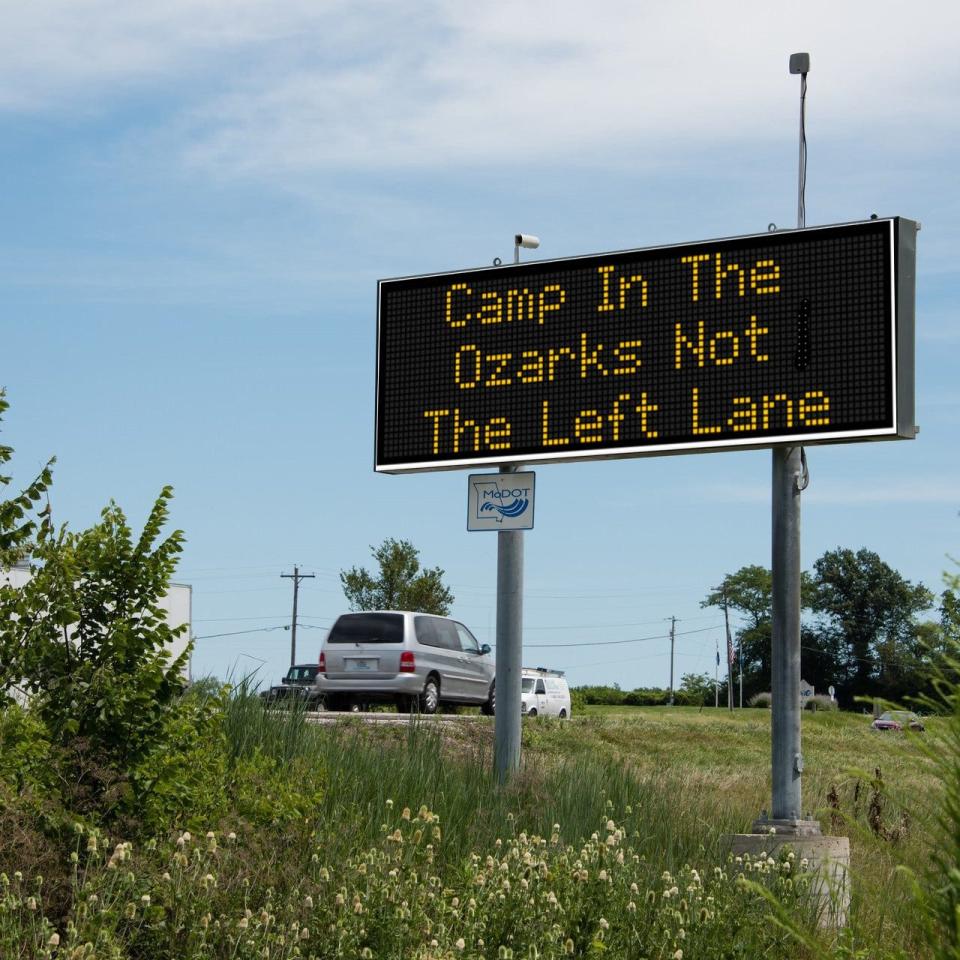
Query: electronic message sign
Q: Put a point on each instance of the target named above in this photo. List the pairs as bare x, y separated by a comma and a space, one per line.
785, 337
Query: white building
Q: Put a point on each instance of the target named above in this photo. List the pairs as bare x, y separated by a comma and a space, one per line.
178, 604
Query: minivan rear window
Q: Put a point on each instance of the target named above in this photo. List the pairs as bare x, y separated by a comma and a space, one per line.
367, 628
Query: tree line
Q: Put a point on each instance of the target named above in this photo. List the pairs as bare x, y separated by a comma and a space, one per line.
865, 628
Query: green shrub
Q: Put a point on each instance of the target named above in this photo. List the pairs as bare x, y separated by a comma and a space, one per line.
820, 702
25, 752
762, 700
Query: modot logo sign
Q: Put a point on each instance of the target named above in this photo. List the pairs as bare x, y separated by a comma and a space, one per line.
500, 501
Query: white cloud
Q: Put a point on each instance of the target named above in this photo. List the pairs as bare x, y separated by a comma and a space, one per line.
294, 85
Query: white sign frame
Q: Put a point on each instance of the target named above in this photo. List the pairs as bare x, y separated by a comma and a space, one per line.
500, 501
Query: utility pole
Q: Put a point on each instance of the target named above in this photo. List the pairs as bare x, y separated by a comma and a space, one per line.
296, 577
673, 634
726, 618
716, 680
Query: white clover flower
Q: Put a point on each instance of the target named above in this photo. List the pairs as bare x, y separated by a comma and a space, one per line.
304, 934
54, 940
604, 924
243, 923
678, 955
389, 806
308, 902
611, 826
145, 899
461, 944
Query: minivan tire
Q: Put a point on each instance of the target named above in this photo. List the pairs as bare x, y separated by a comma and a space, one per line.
430, 698
489, 708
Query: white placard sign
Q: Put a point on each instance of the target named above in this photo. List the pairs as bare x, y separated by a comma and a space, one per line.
500, 501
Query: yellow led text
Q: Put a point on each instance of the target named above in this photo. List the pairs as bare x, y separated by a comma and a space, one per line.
624, 286
468, 436
462, 305
721, 349
763, 276
592, 426
769, 412
473, 367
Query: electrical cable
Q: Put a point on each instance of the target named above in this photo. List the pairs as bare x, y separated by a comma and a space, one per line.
614, 643
802, 193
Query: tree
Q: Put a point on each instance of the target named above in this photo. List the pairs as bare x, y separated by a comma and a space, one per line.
87, 638
696, 690
401, 583
20, 516
868, 611
749, 592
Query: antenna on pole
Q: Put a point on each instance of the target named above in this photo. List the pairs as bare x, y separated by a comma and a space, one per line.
800, 63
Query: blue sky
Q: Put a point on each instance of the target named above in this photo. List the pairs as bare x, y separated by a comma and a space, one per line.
199, 197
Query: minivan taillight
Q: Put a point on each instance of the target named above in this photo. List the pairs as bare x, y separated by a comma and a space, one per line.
407, 664
322, 665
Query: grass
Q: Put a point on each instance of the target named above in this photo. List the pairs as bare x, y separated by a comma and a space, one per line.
692, 775
611, 838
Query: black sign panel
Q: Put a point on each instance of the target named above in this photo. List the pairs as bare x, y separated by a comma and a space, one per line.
802, 336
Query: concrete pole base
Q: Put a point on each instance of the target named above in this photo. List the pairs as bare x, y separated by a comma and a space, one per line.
828, 861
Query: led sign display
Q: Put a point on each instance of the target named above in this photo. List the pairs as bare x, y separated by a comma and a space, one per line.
787, 337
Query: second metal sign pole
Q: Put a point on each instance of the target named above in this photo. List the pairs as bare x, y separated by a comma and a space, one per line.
507, 720
786, 758
789, 480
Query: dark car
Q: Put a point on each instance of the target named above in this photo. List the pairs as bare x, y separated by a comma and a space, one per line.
296, 686
897, 720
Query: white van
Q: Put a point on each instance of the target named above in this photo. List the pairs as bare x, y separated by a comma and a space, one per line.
544, 693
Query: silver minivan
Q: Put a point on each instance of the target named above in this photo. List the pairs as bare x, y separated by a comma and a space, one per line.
416, 660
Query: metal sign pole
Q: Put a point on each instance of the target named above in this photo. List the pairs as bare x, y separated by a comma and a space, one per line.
789, 480
507, 719
786, 759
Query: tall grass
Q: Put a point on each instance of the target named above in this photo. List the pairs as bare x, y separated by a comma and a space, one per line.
450, 769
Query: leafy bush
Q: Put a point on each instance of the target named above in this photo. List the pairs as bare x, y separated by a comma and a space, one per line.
820, 701
760, 700
88, 638
647, 697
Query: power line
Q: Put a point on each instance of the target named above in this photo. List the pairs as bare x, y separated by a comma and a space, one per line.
237, 633
613, 643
